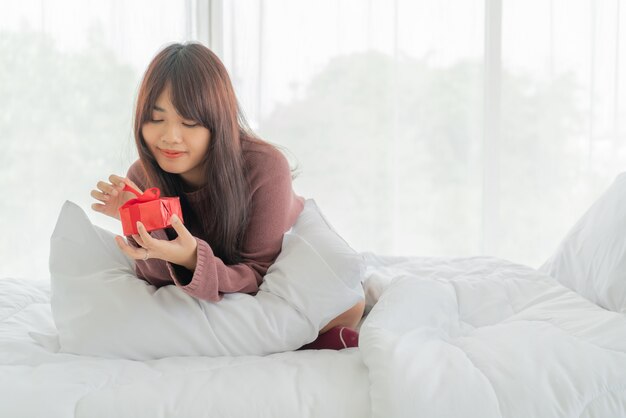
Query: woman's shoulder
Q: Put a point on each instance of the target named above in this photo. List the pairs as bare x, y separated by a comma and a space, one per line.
262, 157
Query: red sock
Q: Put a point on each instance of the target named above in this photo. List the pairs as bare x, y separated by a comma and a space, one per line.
336, 338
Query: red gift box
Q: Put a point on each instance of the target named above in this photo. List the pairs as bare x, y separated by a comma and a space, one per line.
153, 212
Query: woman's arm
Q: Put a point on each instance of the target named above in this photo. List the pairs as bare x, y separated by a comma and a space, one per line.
274, 209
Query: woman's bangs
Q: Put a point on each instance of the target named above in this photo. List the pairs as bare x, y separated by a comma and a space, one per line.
158, 86
186, 97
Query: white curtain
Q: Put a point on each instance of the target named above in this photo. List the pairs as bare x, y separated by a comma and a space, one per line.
438, 127
69, 73
431, 127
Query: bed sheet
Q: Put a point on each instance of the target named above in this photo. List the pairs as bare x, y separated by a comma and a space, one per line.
36, 381
483, 337
443, 337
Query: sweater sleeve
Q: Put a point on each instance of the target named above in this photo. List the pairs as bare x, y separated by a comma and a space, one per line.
274, 209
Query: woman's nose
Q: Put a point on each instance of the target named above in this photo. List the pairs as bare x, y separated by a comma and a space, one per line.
172, 133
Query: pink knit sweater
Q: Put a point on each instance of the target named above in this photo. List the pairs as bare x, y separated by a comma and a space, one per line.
274, 209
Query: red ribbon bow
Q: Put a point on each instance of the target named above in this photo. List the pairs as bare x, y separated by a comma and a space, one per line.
152, 193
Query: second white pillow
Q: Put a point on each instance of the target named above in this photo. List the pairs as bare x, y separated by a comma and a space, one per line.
591, 259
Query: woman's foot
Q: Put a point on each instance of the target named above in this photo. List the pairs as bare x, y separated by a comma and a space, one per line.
336, 338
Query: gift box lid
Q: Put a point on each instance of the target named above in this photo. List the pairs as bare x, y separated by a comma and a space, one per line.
158, 210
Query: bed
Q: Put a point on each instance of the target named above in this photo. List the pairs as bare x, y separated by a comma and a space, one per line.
36, 381
442, 337
431, 345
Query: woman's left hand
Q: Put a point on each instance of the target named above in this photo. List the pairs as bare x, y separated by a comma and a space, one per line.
181, 251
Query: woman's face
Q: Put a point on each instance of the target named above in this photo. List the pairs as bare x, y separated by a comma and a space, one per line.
168, 131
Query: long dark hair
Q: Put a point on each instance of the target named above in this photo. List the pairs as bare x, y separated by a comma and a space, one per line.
202, 91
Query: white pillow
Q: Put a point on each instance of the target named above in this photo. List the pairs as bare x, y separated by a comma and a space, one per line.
591, 260
101, 308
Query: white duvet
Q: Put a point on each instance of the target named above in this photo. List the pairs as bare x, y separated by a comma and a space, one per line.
466, 337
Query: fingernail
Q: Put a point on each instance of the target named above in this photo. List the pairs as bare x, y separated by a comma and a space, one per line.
174, 218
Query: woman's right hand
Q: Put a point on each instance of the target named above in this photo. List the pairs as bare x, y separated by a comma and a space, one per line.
112, 196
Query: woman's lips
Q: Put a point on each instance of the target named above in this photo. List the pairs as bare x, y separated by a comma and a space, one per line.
171, 154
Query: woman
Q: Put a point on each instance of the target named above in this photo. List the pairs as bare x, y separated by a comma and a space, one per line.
235, 189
